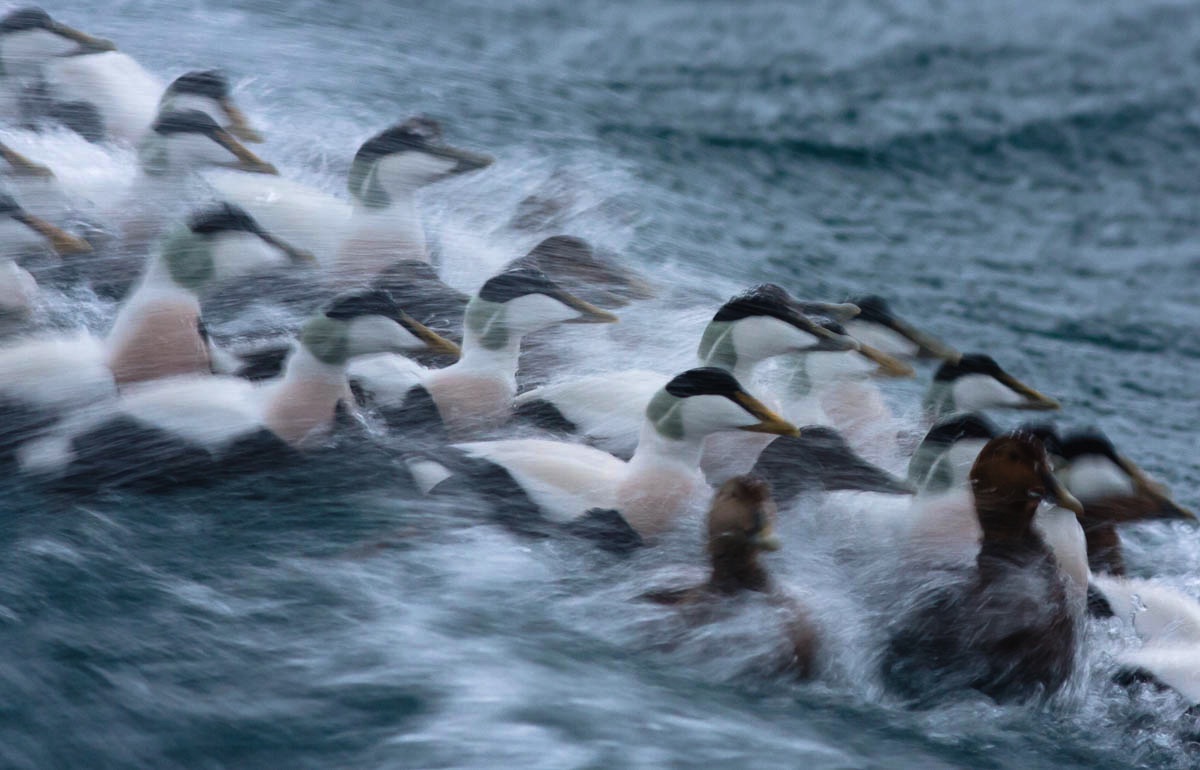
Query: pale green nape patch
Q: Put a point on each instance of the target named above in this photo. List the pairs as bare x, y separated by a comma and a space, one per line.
940, 478
365, 186
328, 339
665, 412
939, 401
486, 320
799, 381
716, 346
189, 259
922, 460
152, 155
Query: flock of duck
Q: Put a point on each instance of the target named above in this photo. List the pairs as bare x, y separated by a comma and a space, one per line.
1020, 527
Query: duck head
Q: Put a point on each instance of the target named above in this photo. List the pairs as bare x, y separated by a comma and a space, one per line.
368, 323
518, 302
208, 91
1009, 479
878, 325
220, 242
405, 157
976, 382
20, 230
29, 37
1110, 485
707, 400
184, 140
944, 457
594, 274
740, 526
763, 322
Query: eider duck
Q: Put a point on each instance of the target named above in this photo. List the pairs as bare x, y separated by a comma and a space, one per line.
1005, 626
186, 428
157, 331
758, 324
740, 528
975, 382
355, 242
550, 480
477, 392
30, 40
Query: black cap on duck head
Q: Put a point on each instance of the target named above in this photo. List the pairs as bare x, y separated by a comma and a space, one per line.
207, 83
586, 269
768, 300
417, 133
959, 427
26, 19
31, 18
186, 122
363, 303
513, 284
223, 217
1088, 442
970, 363
1048, 433
377, 302
1009, 478
875, 308
704, 381
8, 204
742, 514
714, 381
507, 286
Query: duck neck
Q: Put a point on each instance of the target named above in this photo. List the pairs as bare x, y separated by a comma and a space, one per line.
735, 567
654, 448
798, 383
481, 356
306, 398
1009, 538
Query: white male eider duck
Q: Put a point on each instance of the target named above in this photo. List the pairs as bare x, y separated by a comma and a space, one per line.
187, 428
1114, 491
975, 382
476, 393
608, 408
178, 145
207, 91
29, 41
157, 331
20, 232
740, 527
1005, 626
382, 225
540, 479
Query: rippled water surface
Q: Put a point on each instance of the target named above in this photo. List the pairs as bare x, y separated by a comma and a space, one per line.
1021, 178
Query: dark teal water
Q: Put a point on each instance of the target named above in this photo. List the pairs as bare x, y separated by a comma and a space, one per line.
1020, 178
